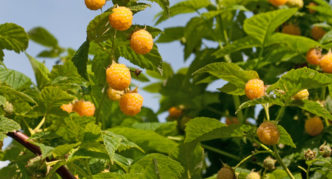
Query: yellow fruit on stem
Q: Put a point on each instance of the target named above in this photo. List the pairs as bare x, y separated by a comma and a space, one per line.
67, 107
255, 88
113, 94
141, 41
253, 175
291, 29
226, 172
268, 133
310, 5
174, 112
278, 2
313, 56
317, 32
121, 18
84, 108
301, 95
95, 4
326, 63
131, 103
313, 126
118, 76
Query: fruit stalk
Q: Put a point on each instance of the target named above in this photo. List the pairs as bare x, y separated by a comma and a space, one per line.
277, 156
24, 140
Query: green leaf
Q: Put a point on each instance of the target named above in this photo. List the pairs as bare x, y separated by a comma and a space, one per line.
312, 107
157, 166
81, 58
203, 129
151, 61
114, 142
164, 4
229, 72
231, 89
153, 87
262, 26
298, 44
13, 37
171, 34
327, 38
41, 36
62, 150
285, 138
271, 100
14, 79
45, 150
149, 141
99, 28
188, 6
10, 91
54, 97
240, 44
7, 125
296, 80
40, 70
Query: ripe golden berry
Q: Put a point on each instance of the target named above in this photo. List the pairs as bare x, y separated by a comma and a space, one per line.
113, 94
253, 175
291, 29
174, 112
326, 63
278, 2
131, 103
317, 32
121, 18
141, 41
311, 4
84, 108
118, 76
95, 4
301, 95
268, 133
232, 120
226, 173
313, 126
254, 88
67, 107
313, 56
295, 3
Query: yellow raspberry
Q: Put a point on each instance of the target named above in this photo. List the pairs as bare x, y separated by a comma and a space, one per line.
310, 5
113, 94
253, 175
95, 4
226, 172
291, 29
121, 18
313, 56
232, 120
268, 133
317, 32
301, 95
84, 108
131, 103
278, 2
326, 63
67, 107
174, 112
118, 76
314, 126
254, 88
295, 3
141, 41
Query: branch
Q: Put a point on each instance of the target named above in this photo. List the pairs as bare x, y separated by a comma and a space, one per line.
23, 139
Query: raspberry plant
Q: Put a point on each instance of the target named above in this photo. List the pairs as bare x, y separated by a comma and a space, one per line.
85, 118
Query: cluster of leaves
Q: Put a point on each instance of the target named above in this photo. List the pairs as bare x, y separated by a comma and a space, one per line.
112, 145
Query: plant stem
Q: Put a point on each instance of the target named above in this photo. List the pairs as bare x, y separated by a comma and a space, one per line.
38, 126
266, 108
248, 157
276, 154
237, 104
221, 152
280, 113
